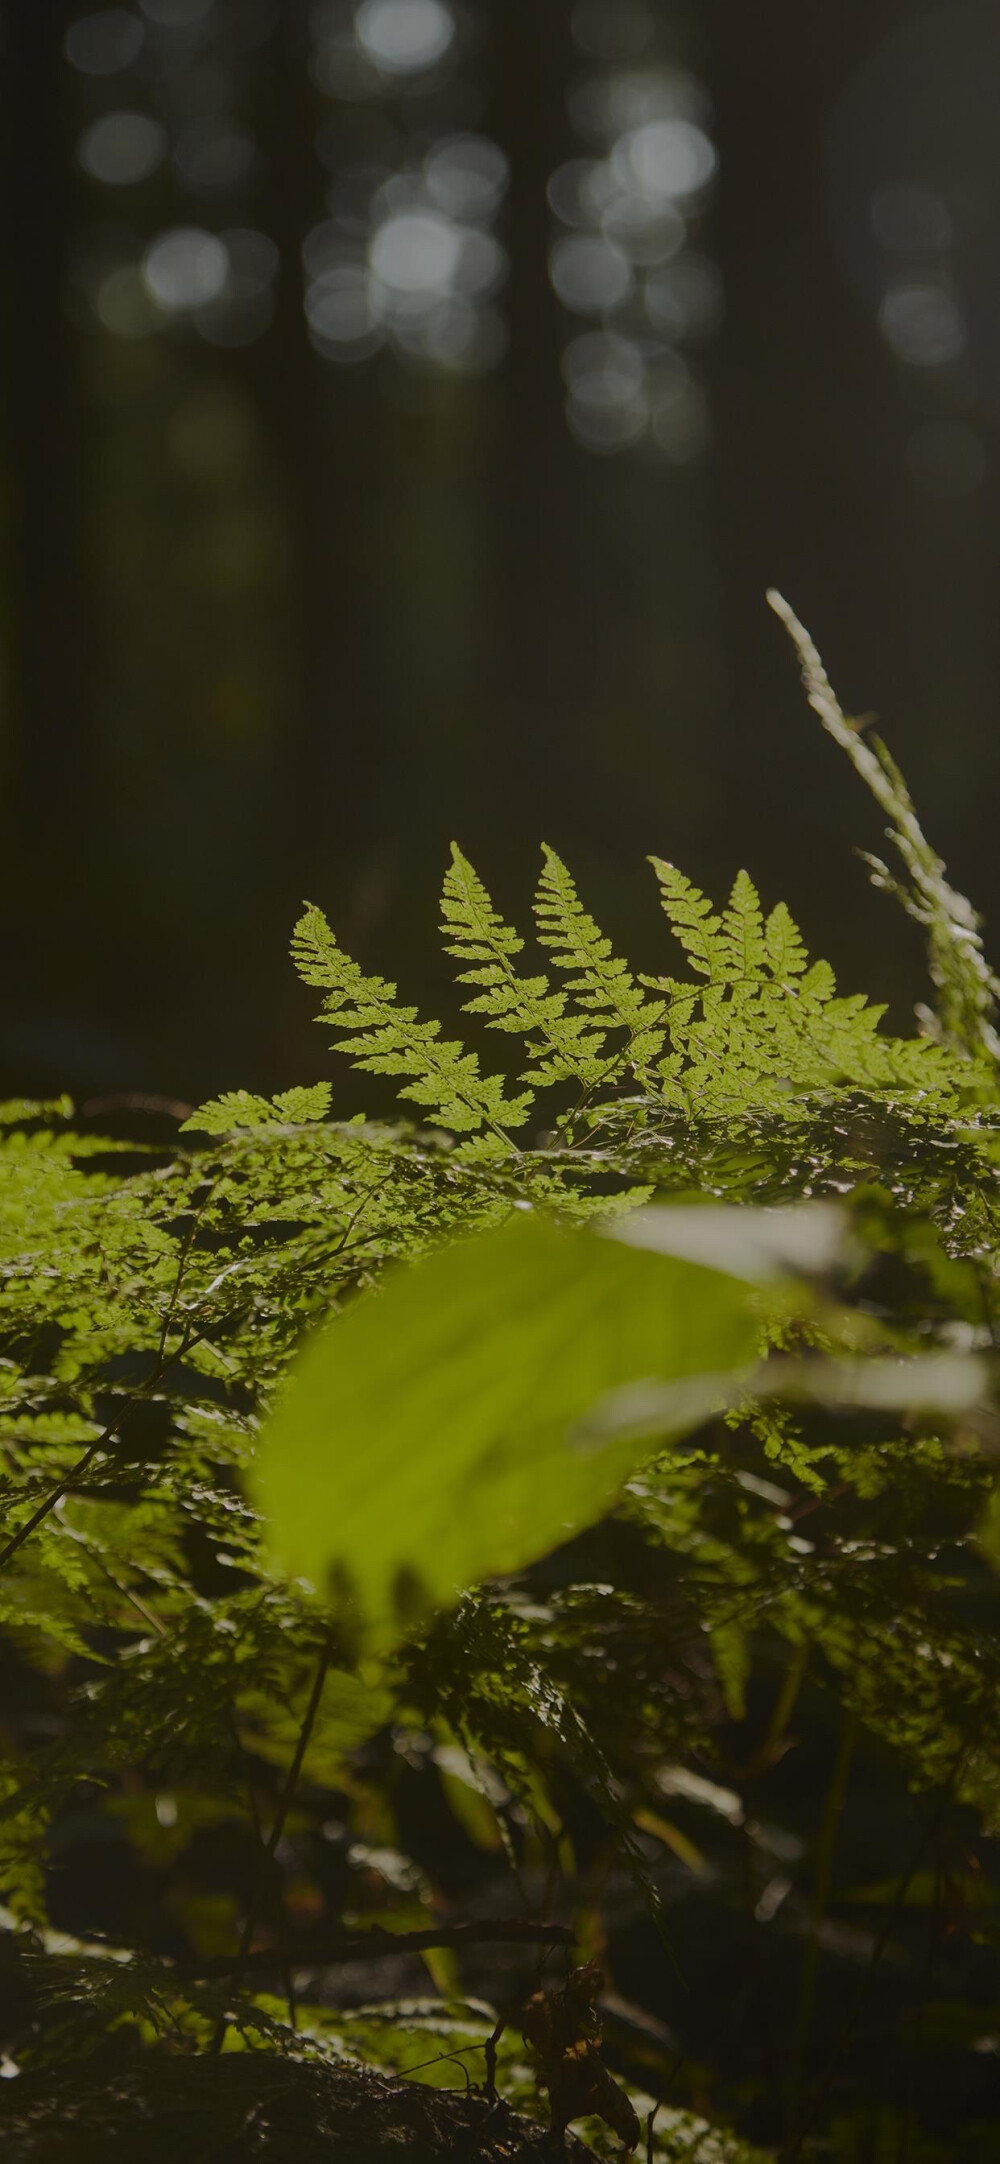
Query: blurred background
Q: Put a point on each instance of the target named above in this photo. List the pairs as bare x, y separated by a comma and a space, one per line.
407, 404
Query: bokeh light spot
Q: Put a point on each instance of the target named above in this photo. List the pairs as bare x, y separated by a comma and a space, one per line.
417, 252
122, 149
123, 305
602, 423
456, 336
610, 104
589, 273
185, 268
466, 176
665, 159
600, 365
609, 392
922, 322
482, 264
338, 305
580, 191
648, 232
403, 37
102, 43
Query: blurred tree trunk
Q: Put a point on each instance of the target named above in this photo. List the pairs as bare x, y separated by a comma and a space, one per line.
54, 855
807, 401
50, 759
530, 56
320, 419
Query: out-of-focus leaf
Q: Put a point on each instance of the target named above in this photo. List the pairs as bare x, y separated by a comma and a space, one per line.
809, 1238
663, 1829
427, 1439
946, 1383
731, 1655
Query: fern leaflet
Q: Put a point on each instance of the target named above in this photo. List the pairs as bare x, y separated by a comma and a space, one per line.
390, 1039
603, 985
766, 1026
562, 1047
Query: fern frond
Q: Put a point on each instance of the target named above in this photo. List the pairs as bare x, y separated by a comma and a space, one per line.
602, 984
785, 948
742, 940
691, 918
389, 1039
767, 1026
562, 1047
242, 1111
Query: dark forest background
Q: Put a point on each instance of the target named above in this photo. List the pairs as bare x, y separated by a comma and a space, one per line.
406, 406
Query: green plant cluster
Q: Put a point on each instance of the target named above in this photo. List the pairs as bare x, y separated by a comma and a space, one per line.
593, 1573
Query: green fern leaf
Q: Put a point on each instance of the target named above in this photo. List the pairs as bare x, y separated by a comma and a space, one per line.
562, 1047
785, 951
389, 1039
602, 984
692, 919
742, 937
240, 1111
768, 1027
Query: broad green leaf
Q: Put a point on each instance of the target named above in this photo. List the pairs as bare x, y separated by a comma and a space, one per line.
427, 1437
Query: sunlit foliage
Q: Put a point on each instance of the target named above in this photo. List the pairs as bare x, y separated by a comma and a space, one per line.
604, 1737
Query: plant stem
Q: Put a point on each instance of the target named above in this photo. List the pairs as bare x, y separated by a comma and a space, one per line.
285, 1803
836, 1795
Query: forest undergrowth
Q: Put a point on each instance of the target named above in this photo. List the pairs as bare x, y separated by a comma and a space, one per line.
565, 1693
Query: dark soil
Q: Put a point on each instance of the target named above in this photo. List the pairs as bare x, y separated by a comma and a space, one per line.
248, 2105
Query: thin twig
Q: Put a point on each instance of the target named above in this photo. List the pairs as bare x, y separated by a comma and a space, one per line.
280, 1917
173, 1108
56, 1494
308, 1723
127, 1592
373, 1943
